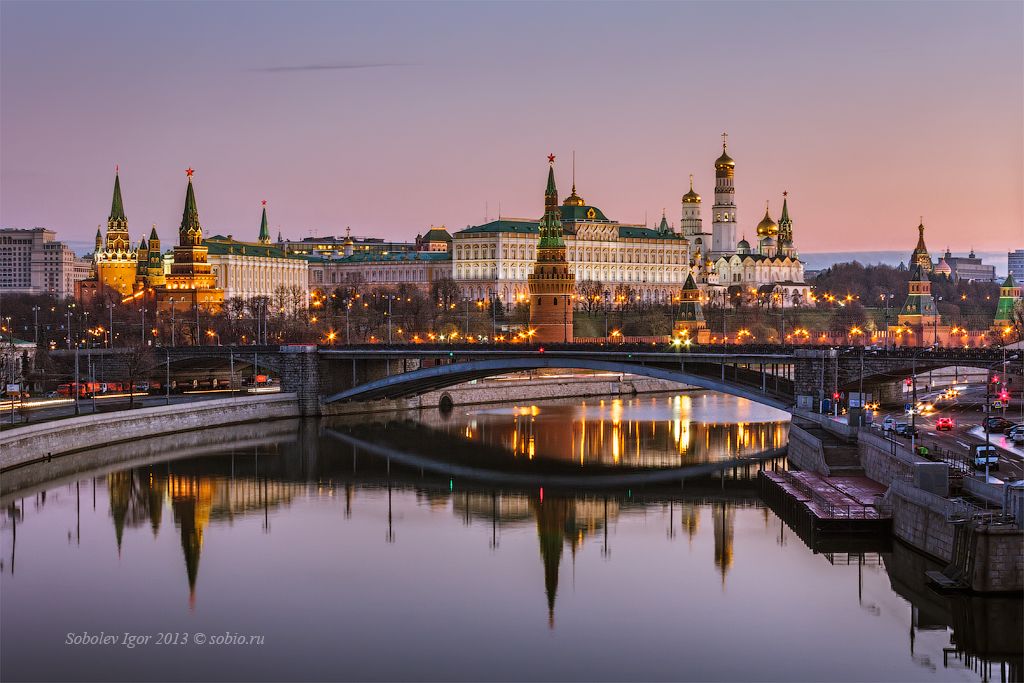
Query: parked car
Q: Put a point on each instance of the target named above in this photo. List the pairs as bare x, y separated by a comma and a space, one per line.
1018, 437
995, 423
944, 423
1010, 431
889, 423
984, 455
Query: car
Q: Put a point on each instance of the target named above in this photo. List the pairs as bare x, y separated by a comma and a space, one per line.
944, 423
907, 431
1010, 431
995, 423
1018, 437
984, 456
889, 423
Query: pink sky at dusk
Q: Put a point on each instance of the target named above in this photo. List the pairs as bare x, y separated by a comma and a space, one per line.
869, 114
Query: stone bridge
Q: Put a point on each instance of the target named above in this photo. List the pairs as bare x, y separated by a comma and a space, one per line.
774, 376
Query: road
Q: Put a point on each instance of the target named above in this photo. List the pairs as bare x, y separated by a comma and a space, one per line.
967, 413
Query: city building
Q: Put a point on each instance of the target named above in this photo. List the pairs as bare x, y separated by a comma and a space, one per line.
968, 268
337, 247
430, 260
723, 227
258, 269
33, 261
552, 285
1015, 264
495, 259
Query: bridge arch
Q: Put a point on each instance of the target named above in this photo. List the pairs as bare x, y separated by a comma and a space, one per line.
420, 381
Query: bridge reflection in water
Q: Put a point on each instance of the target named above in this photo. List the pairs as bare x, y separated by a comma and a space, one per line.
299, 479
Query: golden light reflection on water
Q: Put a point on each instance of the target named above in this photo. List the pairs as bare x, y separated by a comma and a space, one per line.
651, 431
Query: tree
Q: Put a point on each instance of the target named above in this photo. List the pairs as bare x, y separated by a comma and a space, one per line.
445, 291
137, 359
590, 295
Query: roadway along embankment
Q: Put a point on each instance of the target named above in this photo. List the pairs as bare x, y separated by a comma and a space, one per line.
38, 442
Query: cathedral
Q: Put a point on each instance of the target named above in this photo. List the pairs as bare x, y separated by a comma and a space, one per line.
770, 266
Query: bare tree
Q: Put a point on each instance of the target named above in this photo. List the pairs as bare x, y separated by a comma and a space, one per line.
590, 294
137, 359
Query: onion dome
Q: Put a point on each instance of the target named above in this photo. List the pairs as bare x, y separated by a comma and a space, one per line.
767, 227
724, 161
943, 268
691, 197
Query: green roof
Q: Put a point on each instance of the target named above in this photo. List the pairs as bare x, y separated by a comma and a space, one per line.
582, 213
437, 235
222, 246
531, 227
394, 257
117, 205
264, 231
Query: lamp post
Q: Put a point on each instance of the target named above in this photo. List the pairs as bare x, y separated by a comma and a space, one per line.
935, 326
110, 331
35, 312
606, 303
886, 298
171, 299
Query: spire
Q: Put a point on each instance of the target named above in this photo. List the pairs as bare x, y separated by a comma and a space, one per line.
117, 205
153, 235
99, 238
190, 232
550, 227
264, 230
785, 207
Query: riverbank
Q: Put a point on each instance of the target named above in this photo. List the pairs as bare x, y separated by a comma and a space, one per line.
39, 442
36, 443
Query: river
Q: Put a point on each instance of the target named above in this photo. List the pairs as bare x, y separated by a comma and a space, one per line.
361, 549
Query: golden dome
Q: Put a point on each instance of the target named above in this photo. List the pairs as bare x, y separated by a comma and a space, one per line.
767, 227
724, 161
691, 197
573, 199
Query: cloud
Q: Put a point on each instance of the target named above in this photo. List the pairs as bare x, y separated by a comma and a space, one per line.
325, 67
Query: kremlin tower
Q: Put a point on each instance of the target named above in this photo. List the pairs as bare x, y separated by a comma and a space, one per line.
551, 284
114, 261
920, 255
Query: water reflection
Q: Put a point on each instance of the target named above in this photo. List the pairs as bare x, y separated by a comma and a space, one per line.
299, 534
648, 431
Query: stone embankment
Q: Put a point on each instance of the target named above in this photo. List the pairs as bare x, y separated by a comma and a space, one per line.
39, 442
496, 391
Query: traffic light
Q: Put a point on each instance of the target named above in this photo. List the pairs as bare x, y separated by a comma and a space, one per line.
835, 396
907, 382
1004, 395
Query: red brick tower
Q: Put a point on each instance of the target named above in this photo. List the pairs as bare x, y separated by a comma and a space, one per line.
551, 284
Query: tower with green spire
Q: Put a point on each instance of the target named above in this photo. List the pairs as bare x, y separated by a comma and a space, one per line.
1009, 295
551, 284
155, 268
918, 322
191, 269
264, 230
142, 262
117, 222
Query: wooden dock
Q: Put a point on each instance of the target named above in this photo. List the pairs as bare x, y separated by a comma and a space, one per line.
847, 504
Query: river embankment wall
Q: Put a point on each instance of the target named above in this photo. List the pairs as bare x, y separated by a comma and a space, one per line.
39, 442
492, 391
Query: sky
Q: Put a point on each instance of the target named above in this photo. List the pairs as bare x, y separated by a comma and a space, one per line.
391, 117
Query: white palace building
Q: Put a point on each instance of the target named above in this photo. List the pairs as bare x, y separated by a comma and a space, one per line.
496, 258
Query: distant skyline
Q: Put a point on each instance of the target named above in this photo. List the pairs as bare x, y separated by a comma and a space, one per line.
390, 117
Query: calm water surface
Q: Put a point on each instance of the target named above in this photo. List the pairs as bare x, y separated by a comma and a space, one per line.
353, 567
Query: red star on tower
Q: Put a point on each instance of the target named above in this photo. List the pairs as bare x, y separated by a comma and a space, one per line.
189, 171
551, 158
264, 202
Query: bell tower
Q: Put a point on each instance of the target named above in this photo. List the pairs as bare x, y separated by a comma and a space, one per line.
723, 227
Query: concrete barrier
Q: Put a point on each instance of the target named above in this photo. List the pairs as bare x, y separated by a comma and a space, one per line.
38, 442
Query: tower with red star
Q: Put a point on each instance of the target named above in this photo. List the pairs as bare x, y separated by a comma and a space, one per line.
551, 284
